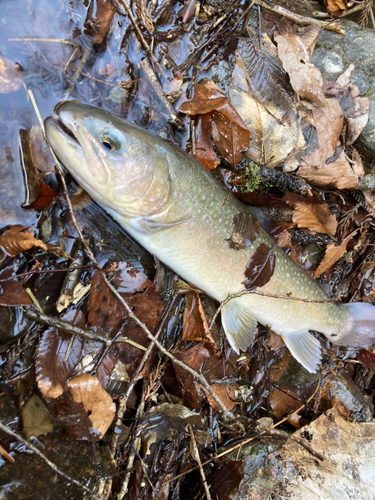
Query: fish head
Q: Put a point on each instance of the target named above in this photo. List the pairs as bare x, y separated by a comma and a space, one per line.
120, 166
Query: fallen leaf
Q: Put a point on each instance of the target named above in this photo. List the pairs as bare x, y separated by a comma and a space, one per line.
86, 410
17, 240
229, 132
57, 355
283, 403
11, 292
335, 174
357, 164
99, 18
357, 116
261, 94
195, 325
305, 78
41, 155
10, 76
225, 481
328, 122
143, 15
204, 150
35, 418
315, 217
260, 267
344, 79
337, 7
332, 255
45, 197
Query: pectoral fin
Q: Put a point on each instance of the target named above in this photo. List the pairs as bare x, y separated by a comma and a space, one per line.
305, 348
239, 325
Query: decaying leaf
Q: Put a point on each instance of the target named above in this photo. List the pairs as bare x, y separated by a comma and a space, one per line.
332, 255
35, 418
57, 355
367, 358
86, 410
328, 121
10, 76
201, 360
195, 325
259, 91
204, 150
260, 267
46, 195
336, 174
283, 403
245, 231
17, 240
315, 217
305, 78
166, 421
229, 132
99, 18
225, 481
11, 292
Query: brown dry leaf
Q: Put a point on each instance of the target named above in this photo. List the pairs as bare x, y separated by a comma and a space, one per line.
99, 18
229, 132
259, 93
283, 402
328, 122
225, 482
17, 240
337, 7
332, 255
195, 325
57, 355
225, 393
12, 292
305, 78
40, 154
10, 76
336, 174
357, 116
315, 217
357, 164
86, 410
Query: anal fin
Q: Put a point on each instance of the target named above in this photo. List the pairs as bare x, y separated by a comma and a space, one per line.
305, 348
239, 325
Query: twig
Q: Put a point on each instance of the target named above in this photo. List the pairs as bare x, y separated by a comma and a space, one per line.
347, 13
53, 466
81, 65
195, 454
46, 271
300, 19
34, 300
136, 444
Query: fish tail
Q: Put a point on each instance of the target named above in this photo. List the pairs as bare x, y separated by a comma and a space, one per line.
359, 329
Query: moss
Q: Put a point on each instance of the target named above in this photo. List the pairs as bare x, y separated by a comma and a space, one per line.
318, 44
253, 178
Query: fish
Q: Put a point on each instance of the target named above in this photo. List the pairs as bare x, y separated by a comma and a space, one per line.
178, 211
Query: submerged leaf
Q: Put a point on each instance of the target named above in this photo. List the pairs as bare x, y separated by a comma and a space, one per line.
86, 410
225, 481
57, 355
315, 217
11, 292
260, 267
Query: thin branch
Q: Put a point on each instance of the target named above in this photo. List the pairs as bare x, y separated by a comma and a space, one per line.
197, 458
46, 271
53, 466
332, 26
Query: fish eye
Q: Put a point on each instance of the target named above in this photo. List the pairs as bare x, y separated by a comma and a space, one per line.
111, 140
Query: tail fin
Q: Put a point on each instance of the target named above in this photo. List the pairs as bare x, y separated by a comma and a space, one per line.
359, 330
